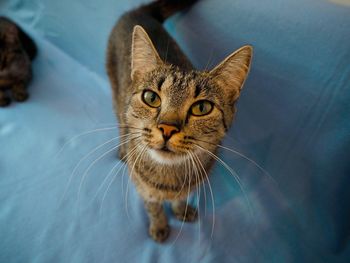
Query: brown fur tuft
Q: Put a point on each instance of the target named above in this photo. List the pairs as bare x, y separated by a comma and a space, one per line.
16, 51
162, 9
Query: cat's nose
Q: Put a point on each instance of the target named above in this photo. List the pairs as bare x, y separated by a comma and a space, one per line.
168, 130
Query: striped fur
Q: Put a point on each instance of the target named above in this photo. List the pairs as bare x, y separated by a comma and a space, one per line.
168, 169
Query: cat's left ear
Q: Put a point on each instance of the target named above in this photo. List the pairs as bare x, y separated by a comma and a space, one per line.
231, 73
11, 34
144, 57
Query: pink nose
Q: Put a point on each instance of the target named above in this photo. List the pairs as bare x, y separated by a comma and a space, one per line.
167, 130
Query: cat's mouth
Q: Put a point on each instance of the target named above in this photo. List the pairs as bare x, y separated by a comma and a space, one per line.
165, 149
166, 155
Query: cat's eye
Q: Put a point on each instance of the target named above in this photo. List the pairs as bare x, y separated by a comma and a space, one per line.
151, 99
201, 108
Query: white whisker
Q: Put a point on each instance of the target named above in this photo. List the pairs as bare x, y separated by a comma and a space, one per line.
211, 193
198, 182
228, 168
184, 183
129, 154
130, 177
187, 199
96, 160
82, 134
84, 158
111, 172
197, 178
250, 160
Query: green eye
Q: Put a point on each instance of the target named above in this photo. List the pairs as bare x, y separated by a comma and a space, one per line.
151, 99
201, 108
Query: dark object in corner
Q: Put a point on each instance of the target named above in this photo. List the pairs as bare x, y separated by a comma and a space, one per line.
17, 50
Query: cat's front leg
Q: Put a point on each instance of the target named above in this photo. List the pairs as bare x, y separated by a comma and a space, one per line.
4, 100
159, 229
19, 92
183, 211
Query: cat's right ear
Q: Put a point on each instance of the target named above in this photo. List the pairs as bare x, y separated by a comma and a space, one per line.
144, 57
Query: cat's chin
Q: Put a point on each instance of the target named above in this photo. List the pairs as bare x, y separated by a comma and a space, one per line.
166, 157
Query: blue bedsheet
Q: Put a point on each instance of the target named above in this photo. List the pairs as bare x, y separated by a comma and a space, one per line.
293, 120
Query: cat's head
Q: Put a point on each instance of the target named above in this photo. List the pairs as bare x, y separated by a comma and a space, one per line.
180, 111
8, 33
9, 41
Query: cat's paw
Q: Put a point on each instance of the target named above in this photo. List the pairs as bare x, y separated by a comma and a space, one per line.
187, 215
159, 234
20, 96
5, 102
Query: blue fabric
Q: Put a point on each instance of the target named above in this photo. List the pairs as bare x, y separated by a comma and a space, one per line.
293, 120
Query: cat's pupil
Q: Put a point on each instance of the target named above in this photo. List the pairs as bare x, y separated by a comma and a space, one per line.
201, 106
153, 97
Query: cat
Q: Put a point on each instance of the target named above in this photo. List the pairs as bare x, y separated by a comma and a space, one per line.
17, 50
171, 116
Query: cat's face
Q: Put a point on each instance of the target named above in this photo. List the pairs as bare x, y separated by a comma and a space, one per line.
175, 109
178, 112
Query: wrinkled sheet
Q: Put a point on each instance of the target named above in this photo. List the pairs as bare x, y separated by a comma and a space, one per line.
61, 200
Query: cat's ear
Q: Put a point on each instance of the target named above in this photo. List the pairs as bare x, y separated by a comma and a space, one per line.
144, 57
231, 73
11, 34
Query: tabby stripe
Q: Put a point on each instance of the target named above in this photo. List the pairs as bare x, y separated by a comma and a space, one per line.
164, 187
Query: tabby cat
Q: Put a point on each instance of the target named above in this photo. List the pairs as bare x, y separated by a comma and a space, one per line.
171, 116
16, 52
